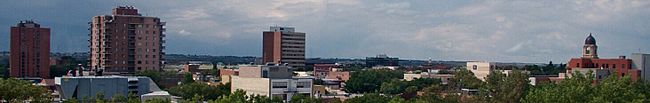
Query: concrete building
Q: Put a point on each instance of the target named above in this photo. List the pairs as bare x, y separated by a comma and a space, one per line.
284, 45
590, 61
272, 81
89, 86
30, 51
642, 62
481, 69
126, 41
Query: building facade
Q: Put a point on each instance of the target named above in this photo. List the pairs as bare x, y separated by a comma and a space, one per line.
481, 69
642, 62
273, 81
30, 51
282, 45
126, 41
89, 86
590, 61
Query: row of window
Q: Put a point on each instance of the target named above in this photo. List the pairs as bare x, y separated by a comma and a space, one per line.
285, 85
596, 65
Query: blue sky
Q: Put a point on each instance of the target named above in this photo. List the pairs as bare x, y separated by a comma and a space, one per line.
509, 31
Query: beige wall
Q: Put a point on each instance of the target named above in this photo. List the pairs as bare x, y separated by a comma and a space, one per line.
258, 86
480, 69
250, 71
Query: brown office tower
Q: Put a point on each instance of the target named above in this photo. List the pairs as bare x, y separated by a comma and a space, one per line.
30, 51
126, 42
282, 45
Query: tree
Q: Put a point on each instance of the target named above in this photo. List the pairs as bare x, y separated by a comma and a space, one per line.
396, 86
370, 80
298, 98
14, 90
501, 88
118, 98
464, 78
393, 86
369, 98
239, 96
158, 100
577, 89
187, 78
201, 89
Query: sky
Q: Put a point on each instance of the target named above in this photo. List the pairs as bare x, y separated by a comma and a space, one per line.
486, 30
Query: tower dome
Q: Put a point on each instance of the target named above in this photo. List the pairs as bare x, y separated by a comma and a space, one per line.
590, 40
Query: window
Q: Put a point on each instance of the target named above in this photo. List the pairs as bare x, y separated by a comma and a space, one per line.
587, 51
578, 65
279, 84
474, 67
303, 85
613, 65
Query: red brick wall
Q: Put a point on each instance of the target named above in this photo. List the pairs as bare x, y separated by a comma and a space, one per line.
29, 49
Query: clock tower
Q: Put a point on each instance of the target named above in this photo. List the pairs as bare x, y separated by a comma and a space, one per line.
590, 50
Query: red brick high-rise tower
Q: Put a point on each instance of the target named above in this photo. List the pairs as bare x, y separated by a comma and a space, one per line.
283, 45
126, 41
30, 50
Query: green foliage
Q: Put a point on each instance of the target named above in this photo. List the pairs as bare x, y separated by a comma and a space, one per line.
396, 86
158, 100
464, 78
549, 69
579, 89
14, 90
370, 80
370, 98
200, 89
500, 88
304, 99
187, 78
239, 96
118, 98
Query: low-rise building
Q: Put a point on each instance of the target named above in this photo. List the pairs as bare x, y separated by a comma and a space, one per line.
89, 86
272, 81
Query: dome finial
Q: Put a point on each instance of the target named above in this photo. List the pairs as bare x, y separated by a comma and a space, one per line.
590, 40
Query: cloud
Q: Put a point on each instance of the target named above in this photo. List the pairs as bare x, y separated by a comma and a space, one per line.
526, 31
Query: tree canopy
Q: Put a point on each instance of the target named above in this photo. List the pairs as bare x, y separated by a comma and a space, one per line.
201, 89
365, 81
14, 90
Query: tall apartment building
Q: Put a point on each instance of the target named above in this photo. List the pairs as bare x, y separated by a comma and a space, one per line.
126, 41
284, 45
30, 50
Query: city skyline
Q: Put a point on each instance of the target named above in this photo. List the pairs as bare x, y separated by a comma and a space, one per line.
467, 30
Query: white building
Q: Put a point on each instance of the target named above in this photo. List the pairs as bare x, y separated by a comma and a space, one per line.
272, 81
642, 62
482, 69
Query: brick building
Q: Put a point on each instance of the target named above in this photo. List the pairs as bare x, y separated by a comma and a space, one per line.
283, 45
30, 50
601, 67
125, 42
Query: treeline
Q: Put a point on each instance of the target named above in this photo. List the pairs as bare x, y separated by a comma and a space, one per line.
502, 88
